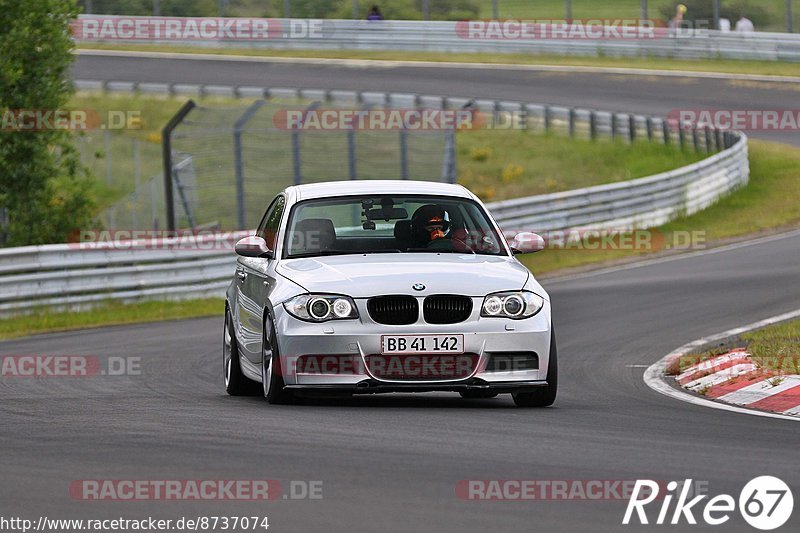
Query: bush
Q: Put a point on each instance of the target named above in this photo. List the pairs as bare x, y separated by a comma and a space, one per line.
42, 183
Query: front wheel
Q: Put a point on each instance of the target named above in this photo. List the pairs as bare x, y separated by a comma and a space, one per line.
271, 369
543, 396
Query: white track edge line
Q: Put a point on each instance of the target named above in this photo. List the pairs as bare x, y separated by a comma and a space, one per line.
655, 379
667, 259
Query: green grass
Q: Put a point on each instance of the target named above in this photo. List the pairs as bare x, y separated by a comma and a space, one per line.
776, 348
502, 164
770, 200
732, 66
108, 314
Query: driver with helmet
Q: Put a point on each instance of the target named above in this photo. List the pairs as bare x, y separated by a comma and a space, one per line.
431, 227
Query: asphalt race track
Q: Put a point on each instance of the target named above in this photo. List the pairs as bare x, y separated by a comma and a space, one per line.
393, 462
656, 95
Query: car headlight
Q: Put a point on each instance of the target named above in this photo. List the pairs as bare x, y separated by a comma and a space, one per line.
321, 307
512, 304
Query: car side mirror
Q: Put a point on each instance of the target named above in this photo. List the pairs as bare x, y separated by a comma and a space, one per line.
526, 242
253, 247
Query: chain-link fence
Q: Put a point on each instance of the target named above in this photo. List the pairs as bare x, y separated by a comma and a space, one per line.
229, 162
126, 167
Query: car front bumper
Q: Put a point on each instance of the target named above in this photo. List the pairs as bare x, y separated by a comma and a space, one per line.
360, 338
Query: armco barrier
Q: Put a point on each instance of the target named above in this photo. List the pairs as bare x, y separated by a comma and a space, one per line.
640, 203
435, 36
72, 275
78, 275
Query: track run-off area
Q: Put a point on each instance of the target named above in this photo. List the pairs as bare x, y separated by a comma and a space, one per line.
394, 462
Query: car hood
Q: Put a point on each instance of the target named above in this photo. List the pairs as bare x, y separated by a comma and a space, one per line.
362, 276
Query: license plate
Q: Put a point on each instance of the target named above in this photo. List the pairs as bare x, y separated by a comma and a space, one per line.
422, 344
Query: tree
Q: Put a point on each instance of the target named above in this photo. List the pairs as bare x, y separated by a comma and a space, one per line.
42, 184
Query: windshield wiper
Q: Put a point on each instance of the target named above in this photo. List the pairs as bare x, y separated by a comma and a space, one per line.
342, 252
320, 253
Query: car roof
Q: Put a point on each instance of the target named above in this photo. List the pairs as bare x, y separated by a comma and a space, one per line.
333, 189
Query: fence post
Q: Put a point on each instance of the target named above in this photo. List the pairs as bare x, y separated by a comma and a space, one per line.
153, 215
593, 125
137, 177
695, 138
708, 138
184, 201
449, 163
682, 135
112, 222
351, 154
296, 162
665, 131
649, 127
523, 117
546, 118
572, 122
404, 153
720, 142
613, 126
632, 127
166, 154
238, 160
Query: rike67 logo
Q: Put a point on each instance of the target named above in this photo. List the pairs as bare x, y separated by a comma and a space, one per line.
765, 503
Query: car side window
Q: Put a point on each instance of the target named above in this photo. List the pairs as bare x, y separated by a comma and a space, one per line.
268, 229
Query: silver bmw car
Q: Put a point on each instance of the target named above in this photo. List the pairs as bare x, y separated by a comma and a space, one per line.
363, 287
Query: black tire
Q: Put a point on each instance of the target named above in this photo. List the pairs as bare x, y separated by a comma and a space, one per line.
273, 386
543, 396
477, 394
236, 383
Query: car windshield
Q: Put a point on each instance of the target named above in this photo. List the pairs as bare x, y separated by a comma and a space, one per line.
390, 224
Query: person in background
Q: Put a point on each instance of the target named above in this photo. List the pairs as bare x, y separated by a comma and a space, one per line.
374, 13
676, 21
724, 25
744, 25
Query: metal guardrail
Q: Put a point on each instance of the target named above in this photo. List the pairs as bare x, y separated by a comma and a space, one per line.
640, 203
435, 36
79, 275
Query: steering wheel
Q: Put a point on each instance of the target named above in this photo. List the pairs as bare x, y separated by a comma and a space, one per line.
449, 244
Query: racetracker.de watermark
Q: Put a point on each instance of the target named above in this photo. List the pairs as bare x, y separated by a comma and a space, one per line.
630, 239
194, 489
737, 119
111, 28
339, 119
135, 239
37, 120
556, 489
68, 366
585, 239
575, 29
